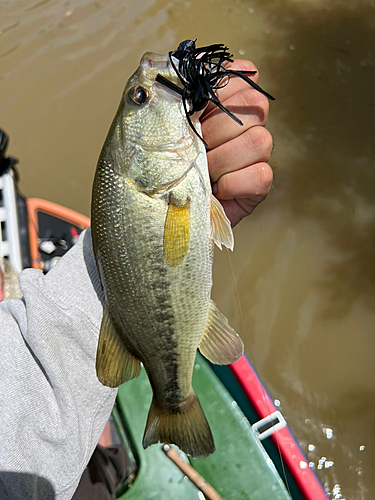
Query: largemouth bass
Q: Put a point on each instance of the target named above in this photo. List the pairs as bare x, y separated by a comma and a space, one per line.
154, 224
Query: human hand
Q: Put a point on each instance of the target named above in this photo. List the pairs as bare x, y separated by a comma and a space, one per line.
237, 156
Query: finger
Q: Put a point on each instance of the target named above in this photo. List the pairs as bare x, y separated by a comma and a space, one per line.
241, 192
238, 209
252, 183
236, 84
253, 146
250, 106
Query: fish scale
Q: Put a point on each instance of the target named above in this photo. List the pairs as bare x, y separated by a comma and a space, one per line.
153, 244
134, 259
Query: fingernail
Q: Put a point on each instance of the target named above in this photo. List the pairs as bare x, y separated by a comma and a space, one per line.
214, 188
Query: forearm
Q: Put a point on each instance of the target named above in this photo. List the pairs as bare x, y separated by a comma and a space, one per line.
53, 408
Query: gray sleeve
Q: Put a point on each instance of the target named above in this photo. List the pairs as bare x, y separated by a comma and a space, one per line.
52, 407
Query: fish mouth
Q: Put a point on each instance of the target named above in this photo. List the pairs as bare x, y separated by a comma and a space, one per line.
156, 66
155, 61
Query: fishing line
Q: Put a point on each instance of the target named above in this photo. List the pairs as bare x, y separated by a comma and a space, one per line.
253, 363
201, 72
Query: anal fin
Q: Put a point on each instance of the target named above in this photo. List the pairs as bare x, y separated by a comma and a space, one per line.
220, 344
114, 363
221, 229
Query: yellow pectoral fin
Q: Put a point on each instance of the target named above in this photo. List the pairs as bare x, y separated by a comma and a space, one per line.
176, 234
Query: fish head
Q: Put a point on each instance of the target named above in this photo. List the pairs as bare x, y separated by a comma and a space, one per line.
151, 139
152, 115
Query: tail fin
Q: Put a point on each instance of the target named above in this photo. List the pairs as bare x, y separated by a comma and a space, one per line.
188, 428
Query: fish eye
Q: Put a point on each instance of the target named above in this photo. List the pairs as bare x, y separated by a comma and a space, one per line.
139, 95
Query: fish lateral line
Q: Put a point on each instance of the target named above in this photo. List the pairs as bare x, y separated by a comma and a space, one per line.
153, 226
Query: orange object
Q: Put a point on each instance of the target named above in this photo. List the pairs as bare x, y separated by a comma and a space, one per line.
35, 205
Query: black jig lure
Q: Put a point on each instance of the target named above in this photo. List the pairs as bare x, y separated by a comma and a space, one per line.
201, 71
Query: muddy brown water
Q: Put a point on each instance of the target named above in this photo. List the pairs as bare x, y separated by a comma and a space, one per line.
304, 261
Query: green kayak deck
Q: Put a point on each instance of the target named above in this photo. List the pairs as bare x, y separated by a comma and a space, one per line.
239, 468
